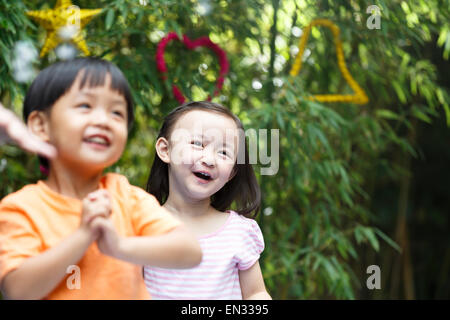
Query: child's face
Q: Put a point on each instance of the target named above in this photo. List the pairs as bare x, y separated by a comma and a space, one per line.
202, 150
88, 127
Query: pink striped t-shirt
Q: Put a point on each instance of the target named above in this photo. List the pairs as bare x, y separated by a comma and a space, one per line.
236, 246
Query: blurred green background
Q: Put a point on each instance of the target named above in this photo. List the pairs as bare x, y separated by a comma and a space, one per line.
357, 185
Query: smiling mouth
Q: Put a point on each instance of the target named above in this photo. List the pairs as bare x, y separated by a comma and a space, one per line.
203, 175
98, 141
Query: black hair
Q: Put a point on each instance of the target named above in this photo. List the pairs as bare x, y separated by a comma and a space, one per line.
242, 188
55, 80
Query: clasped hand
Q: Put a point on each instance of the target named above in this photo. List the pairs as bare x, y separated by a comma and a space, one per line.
95, 219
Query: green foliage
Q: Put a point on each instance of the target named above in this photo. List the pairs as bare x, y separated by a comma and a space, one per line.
330, 154
13, 26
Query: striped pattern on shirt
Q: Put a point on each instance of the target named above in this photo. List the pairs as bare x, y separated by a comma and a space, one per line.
236, 246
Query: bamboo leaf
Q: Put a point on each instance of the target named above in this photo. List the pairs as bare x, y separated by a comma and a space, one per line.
109, 19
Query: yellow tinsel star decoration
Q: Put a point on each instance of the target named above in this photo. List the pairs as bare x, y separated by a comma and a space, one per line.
360, 96
64, 14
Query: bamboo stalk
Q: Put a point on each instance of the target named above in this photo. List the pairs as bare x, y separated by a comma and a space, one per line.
405, 267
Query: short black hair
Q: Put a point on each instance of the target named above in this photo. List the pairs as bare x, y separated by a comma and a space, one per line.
242, 188
55, 80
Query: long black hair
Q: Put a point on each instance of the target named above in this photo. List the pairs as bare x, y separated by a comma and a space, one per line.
242, 188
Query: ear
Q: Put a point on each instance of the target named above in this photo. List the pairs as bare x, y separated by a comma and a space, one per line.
38, 124
162, 149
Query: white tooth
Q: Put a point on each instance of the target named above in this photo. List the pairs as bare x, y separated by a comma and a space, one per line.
98, 140
204, 174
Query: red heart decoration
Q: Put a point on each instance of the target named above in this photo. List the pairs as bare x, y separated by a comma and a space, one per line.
191, 45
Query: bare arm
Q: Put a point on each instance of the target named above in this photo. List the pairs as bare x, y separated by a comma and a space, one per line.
252, 284
175, 249
39, 275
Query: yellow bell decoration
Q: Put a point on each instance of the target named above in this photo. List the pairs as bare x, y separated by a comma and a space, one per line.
64, 15
360, 96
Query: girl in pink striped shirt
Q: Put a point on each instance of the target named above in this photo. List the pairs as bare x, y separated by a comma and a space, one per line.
201, 167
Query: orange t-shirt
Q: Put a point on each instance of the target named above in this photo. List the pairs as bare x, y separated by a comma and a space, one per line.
37, 218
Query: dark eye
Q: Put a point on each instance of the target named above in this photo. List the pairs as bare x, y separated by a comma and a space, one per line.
223, 152
197, 143
84, 106
119, 113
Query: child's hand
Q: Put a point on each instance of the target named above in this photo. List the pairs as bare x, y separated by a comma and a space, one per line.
95, 204
109, 240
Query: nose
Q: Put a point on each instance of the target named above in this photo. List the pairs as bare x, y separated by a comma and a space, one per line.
208, 158
100, 118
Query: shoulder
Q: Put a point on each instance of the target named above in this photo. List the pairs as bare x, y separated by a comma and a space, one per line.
242, 220
26, 194
16, 209
251, 241
246, 225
